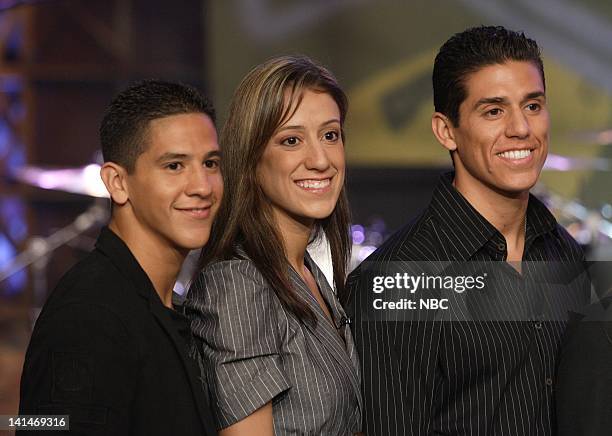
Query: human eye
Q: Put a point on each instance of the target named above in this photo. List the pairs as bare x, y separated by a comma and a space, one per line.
494, 112
291, 141
331, 136
534, 107
174, 166
212, 163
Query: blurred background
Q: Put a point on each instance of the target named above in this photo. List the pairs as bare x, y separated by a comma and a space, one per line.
61, 61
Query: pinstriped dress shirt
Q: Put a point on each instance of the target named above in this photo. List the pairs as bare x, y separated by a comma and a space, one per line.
475, 378
254, 351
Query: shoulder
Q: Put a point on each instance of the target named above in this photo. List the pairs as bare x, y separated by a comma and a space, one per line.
91, 283
228, 276
80, 315
234, 285
94, 280
559, 244
570, 247
234, 268
409, 243
231, 299
94, 292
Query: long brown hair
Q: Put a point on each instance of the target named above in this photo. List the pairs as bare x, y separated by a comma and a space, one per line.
258, 108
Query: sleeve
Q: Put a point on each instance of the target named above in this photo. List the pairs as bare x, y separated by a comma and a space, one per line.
235, 317
79, 363
399, 362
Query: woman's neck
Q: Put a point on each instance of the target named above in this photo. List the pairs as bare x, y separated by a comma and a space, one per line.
295, 235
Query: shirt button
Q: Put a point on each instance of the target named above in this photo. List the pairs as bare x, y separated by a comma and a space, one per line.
538, 325
549, 382
501, 246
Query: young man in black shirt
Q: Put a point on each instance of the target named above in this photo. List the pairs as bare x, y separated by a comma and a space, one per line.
109, 349
484, 365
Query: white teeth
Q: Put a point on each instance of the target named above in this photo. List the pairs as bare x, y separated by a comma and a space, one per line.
313, 184
515, 154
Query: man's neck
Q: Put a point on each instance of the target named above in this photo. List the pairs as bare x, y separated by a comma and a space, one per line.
159, 261
507, 213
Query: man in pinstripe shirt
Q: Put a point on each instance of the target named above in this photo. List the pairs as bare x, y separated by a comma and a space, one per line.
488, 376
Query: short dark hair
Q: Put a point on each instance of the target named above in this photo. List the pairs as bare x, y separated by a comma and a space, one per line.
124, 127
466, 52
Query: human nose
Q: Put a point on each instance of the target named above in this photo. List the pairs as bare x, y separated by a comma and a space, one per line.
518, 125
198, 183
317, 158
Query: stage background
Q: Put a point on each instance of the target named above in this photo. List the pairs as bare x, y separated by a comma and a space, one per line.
62, 60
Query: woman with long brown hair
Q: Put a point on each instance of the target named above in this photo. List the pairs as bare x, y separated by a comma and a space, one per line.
274, 339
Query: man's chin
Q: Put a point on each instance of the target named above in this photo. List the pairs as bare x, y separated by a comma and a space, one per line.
187, 245
516, 188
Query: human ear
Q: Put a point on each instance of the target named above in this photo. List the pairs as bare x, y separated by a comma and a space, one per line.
443, 131
114, 177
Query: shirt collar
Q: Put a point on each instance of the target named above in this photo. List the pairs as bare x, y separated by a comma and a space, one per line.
467, 230
539, 219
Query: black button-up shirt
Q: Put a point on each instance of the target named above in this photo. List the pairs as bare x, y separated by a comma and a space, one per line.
476, 377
